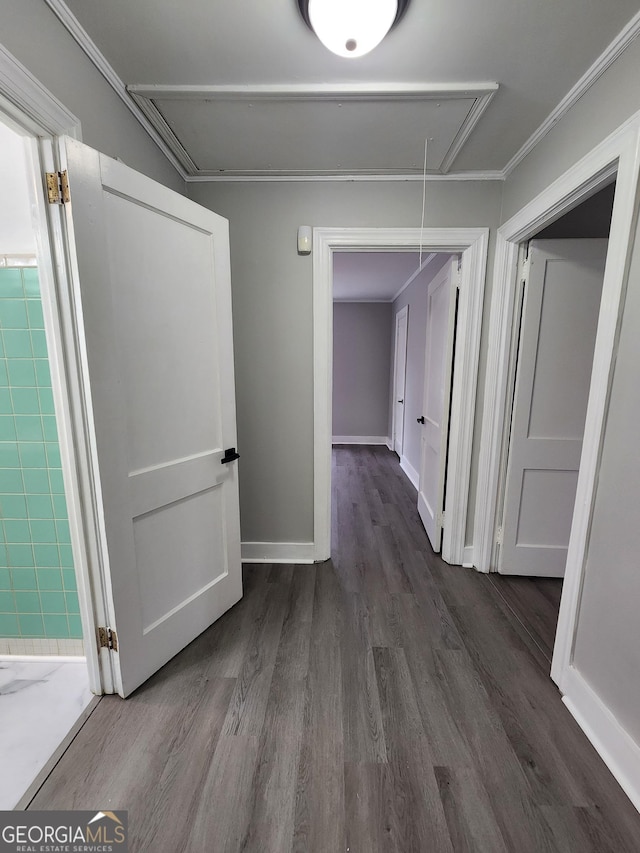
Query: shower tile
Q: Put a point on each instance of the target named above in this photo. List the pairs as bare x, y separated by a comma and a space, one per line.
49, 579
7, 428
34, 311
59, 506
49, 427
64, 534
69, 579
36, 481
46, 404
9, 455
17, 343
39, 506
22, 372
31, 282
75, 627
56, 625
46, 555
26, 401
27, 602
9, 625
4, 376
56, 480
29, 427
5, 401
11, 284
43, 374
20, 556
66, 556
43, 531
32, 455
54, 602
13, 314
73, 605
24, 578
7, 602
13, 506
17, 531
39, 344
31, 624
53, 455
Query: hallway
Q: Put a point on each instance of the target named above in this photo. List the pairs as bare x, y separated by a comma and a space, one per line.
382, 701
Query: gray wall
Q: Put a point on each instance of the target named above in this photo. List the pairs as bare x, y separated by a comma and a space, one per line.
607, 651
415, 296
32, 33
361, 368
273, 331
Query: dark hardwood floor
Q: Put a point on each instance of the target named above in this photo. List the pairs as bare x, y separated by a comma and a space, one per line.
382, 701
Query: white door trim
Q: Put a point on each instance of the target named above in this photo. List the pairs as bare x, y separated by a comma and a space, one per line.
36, 112
619, 153
403, 312
472, 243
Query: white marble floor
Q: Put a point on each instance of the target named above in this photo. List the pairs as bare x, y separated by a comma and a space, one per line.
40, 700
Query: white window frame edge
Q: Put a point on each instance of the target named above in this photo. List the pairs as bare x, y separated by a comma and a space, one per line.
472, 243
617, 154
29, 104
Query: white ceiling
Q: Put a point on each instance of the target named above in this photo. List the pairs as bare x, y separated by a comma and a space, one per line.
372, 276
535, 50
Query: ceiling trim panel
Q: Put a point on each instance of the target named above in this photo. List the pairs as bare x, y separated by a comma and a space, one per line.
147, 96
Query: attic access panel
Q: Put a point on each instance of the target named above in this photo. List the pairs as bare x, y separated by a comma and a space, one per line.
219, 132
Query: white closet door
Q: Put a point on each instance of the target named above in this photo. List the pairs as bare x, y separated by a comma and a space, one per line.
441, 315
152, 286
400, 375
557, 340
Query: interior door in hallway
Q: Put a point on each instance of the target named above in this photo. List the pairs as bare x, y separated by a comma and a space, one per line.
151, 279
441, 318
399, 378
555, 359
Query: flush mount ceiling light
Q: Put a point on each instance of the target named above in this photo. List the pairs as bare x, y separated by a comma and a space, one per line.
351, 28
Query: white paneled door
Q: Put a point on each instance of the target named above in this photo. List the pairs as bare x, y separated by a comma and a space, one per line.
557, 339
152, 285
441, 317
399, 379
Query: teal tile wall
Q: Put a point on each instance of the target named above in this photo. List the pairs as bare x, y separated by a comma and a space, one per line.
38, 596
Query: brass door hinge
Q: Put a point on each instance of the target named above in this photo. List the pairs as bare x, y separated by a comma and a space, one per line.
107, 639
58, 188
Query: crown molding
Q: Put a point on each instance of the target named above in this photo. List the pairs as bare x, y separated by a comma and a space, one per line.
82, 38
287, 179
620, 43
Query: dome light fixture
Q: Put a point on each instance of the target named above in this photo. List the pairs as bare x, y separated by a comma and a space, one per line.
351, 28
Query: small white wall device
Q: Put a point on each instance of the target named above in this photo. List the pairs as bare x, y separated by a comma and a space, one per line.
304, 240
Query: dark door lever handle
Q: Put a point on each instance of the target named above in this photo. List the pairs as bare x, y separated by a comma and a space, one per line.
230, 455
420, 419
401, 401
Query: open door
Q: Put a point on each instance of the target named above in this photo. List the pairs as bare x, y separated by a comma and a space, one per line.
151, 283
560, 313
441, 318
399, 379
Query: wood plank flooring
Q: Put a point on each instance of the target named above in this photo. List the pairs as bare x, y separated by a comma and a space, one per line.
382, 701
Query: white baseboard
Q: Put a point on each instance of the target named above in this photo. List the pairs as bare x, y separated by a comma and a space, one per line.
613, 744
277, 552
467, 557
389, 444
360, 439
410, 471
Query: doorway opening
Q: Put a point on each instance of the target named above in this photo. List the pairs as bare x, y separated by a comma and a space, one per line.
471, 244
45, 690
